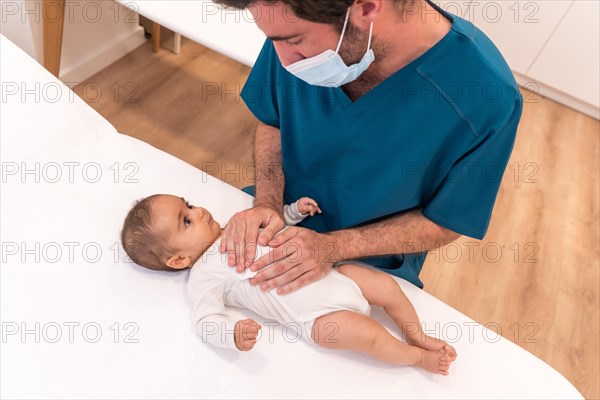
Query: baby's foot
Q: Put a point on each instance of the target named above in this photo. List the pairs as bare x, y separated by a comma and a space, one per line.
437, 361
430, 343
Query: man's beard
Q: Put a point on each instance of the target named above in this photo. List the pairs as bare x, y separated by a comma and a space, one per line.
354, 47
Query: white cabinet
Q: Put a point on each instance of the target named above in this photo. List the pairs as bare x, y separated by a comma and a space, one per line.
570, 62
518, 28
552, 46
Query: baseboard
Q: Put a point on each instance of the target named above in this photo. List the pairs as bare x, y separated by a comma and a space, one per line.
88, 68
557, 95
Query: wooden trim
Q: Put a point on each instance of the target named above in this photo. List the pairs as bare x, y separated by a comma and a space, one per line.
176, 43
53, 14
155, 37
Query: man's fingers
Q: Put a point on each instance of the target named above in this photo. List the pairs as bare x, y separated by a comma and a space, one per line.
273, 226
223, 246
302, 280
240, 234
275, 270
283, 237
224, 236
275, 255
283, 279
250, 254
230, 243
250, 242
262, 262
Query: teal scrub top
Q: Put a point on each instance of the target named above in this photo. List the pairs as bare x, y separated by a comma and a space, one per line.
436, 136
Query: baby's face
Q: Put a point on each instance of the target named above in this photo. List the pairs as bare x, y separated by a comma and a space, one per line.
190, 229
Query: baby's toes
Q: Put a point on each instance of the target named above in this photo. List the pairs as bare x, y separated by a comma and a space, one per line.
450, 351
443, 367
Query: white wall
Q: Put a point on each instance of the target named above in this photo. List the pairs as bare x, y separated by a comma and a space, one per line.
18, 23
96, 33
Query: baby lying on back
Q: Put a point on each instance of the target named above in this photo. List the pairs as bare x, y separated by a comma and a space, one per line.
165, 232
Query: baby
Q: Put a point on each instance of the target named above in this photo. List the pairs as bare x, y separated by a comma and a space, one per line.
164, 232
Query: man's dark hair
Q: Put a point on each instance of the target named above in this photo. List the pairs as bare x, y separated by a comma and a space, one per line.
331, 12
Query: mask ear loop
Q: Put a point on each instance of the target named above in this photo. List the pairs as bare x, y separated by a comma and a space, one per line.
370, 36
343, 32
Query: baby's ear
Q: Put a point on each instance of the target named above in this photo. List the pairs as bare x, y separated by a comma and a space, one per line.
179, 262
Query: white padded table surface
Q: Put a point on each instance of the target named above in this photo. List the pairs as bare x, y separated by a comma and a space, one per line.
228, 31
78, 321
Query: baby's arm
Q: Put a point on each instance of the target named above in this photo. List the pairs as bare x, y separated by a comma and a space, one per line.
210, 317
296, 212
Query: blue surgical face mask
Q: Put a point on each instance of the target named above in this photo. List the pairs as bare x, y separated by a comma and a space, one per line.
328, 69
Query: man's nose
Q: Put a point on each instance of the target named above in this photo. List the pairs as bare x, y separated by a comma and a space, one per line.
287, 55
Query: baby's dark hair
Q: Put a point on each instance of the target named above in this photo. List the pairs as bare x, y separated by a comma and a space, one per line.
143, 243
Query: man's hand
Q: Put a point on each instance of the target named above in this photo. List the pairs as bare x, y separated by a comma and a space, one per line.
241, 234
245, 333
299, 257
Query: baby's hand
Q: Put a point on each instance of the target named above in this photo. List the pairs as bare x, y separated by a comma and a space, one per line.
245, 333
306, 205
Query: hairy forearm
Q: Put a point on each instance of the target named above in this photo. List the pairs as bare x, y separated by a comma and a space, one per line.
270, 180
406, 233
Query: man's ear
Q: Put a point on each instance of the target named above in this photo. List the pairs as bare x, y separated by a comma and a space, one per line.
179, 262
368, 10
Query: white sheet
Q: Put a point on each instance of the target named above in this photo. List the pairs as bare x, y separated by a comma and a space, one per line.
162, 357
229, 31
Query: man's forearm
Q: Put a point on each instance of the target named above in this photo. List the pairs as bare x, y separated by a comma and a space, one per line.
270, 180
407, 233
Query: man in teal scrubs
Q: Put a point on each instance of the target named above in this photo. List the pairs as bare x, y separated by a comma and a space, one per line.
403, 147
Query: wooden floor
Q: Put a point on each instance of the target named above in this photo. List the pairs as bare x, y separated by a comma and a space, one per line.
534, 279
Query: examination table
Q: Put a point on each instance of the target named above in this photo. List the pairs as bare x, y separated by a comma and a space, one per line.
81, 321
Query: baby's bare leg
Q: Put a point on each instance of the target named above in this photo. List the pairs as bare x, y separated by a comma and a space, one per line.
348, 330
381, 289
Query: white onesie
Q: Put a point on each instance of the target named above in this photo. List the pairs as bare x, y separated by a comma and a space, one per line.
213, 285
